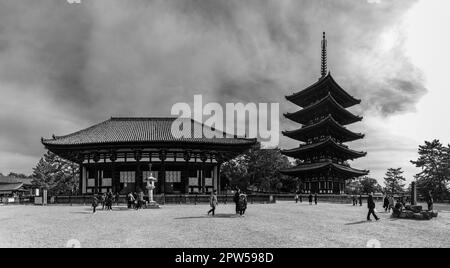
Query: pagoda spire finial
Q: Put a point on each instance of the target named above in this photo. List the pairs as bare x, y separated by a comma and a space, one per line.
324, 56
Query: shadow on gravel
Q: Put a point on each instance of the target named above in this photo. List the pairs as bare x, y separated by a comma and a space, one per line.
358, 222
210, 217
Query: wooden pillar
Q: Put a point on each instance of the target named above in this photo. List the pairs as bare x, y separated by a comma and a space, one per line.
138, 178
203, 158
162, 176
96, 158
95, 169
187, 158
219, 182
80, 183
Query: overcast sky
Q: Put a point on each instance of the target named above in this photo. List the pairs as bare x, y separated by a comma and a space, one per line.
64, 67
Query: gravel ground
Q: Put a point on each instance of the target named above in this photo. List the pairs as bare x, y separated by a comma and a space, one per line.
284, 224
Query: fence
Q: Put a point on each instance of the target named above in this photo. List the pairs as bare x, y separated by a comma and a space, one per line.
200, 199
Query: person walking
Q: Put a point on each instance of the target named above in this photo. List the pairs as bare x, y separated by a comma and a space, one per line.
429, 200
296, 198
94, 203
360, 200
310, 198
315, 198
236, 199
213, 202
242, 204
371, 207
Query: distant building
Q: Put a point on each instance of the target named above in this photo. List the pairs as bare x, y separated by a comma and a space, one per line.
115, 155
12, 186
323, 166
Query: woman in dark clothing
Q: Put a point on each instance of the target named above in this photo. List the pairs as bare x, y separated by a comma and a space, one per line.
371, 207
94, 203
310, 199
236, 200
315, 198
242, 204
386, 203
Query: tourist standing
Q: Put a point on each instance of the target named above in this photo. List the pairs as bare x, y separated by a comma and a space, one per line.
371, 207
117, 196
391, 203
213, 202
94, 203
140, 200
236, 199
102, 200
354, 200
296, 198
386, 203
429, 200
360, 200
130, 200
242, 204
310, 199
315, 198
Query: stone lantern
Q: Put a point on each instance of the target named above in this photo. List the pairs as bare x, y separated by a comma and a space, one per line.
150, 187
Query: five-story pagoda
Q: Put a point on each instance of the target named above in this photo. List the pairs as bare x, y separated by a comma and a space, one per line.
322, 158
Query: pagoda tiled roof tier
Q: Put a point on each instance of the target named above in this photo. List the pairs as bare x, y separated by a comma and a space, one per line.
321, 89
325, 106
328, 145
326, 127
154, 130
329, 167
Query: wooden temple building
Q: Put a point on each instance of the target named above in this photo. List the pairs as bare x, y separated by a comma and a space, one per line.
322, 156
115, 155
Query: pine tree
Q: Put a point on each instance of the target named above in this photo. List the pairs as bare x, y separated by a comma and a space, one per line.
57, 175
393, 180
434, 160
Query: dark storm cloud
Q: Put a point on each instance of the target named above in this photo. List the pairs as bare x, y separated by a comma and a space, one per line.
72, 65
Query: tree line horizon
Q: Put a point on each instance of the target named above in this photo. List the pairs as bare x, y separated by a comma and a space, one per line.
258, 169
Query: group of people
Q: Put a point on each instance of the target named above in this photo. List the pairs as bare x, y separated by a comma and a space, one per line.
105, 200
311, 198
136, 200
356, 200
388, 203
240, 199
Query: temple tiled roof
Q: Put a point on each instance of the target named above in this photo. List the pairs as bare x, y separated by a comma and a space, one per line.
320, 89
6, 187
144, 130
301, 151
328, 104
322, 166
328, 123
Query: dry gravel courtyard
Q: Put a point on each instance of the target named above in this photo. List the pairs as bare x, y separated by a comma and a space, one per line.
284, 224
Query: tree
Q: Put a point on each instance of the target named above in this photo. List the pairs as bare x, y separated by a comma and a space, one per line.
434, 160
56, 174
364, 185
259, 169
370, 185
393, 180
18, 175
